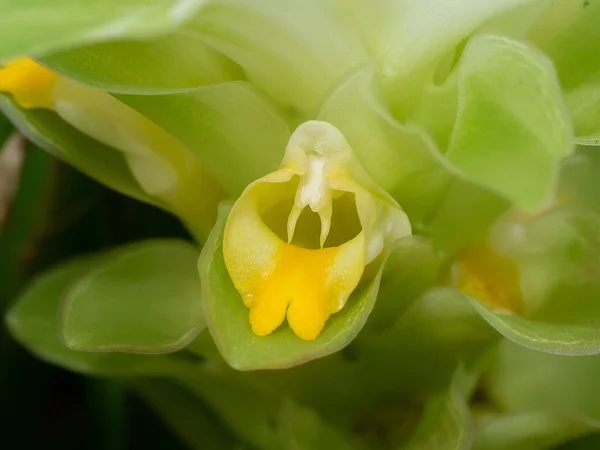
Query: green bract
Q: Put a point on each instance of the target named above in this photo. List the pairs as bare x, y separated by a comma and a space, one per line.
66, 23
143, 299
141, 67
33, 323
402, 157
233, 130
66, 143
505, 85
531, 430
479, 120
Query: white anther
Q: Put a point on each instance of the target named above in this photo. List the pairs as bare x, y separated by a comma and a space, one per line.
313, 191
313, 185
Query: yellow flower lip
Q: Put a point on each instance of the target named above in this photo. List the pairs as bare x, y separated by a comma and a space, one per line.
301, 284
297, 240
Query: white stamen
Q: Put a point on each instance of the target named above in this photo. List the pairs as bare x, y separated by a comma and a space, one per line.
313, 191
313, 184
292, 221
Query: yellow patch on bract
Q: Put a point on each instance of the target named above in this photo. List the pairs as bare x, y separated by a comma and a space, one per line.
29, 83
490, 278
157, 160
164, 169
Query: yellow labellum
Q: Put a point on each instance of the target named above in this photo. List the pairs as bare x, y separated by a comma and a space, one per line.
28, 82
302, 279
297, 240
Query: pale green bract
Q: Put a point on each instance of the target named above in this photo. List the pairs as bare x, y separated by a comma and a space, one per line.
231, 127
32, 322
66, 23
506, 85
174, 63
144, 298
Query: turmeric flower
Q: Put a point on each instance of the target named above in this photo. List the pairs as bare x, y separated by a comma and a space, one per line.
298, 239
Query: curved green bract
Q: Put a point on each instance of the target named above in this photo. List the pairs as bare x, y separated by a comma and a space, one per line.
143, 298
292, 50
556, 338
410, 36
171, 63
227, 316
511, 130
32, 321
412, 40
51, 133
522, 379
532, 430
59, 24
401, 158
235, 131
569, 34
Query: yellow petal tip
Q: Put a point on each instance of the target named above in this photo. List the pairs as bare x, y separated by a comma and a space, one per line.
28, 82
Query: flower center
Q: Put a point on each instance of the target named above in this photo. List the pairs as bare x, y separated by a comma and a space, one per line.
298, 239
302, 226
